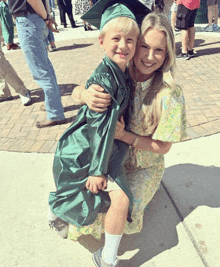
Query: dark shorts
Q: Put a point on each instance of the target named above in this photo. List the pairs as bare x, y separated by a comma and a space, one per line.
185, 17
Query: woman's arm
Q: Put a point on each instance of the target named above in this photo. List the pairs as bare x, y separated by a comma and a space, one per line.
140, 142
94, 97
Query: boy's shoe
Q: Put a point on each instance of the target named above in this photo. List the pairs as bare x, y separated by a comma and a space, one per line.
208, 28
215, 27
99, 262
25, 99
184, 56
191, 53
61, 227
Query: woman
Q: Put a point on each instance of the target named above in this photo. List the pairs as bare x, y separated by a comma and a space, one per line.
81, 7
158, 118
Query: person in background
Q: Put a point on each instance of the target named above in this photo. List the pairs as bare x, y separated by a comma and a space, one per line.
7, 25
81, 7
186, 14
32, 20
65, 7
51, 47
213, 13
173, 10
10, 77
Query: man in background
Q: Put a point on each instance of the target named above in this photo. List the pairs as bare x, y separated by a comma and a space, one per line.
186, 14
9, 76
32, 20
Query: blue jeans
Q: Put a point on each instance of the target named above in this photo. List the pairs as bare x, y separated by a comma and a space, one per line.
50, 37
32, 32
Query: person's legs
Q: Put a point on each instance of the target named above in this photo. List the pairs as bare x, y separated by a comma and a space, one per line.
211, 13
8, 73
173, 20
5, 91
69, 12
32, 35
184, 40
114, 225
191, 35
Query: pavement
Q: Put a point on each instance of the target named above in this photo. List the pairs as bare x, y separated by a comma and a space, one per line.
182, 226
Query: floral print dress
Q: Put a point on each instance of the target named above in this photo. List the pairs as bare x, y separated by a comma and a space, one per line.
145, 169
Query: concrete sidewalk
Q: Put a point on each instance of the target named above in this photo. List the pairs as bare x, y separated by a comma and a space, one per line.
181, 228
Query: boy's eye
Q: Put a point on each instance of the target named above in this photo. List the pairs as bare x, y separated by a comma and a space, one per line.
130, 40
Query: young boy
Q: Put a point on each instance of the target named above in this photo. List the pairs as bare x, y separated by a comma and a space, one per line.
88, 160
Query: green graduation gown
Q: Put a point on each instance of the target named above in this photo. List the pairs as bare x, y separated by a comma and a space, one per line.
7, 23
88, 148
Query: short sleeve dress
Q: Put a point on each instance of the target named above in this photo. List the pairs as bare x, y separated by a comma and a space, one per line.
145, 169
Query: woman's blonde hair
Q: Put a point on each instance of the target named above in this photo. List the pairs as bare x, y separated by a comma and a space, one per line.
163, 77
123, 24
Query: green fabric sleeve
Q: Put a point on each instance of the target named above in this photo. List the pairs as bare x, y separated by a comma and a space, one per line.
101, 126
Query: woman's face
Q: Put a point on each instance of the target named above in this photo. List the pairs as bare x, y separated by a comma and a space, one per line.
150, 54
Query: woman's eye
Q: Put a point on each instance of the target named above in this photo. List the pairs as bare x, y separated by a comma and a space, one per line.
145, 46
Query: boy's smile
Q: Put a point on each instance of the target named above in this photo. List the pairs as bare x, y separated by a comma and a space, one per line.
119, 46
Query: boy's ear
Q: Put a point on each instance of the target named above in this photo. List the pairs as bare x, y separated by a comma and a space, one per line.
100, 41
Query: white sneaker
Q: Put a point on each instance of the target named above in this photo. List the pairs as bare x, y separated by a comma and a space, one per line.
215, 27
25, 99
208, 28
60, 226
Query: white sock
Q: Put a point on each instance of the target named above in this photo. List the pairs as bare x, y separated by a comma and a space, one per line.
110, 250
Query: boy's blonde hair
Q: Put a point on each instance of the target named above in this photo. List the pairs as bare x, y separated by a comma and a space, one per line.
163, 77
123, 24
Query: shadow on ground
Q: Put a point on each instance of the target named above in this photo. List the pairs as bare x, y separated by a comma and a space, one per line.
201, 52
188, 187
73, 46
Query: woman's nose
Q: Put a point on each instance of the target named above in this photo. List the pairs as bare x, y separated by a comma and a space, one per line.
150, 55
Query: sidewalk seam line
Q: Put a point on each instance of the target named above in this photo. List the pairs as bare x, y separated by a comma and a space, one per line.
185, 226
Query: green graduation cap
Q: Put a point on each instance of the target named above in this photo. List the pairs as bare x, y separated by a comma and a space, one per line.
105, 10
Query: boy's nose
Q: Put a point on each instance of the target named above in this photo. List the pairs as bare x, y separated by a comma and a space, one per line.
122, 43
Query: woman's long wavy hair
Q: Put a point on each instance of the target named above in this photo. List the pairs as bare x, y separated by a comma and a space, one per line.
163, 77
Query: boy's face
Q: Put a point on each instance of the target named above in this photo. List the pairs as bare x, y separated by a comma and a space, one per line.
119, 46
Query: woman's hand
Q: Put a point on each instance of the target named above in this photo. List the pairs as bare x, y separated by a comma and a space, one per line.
96, 183
120, 129
95, 98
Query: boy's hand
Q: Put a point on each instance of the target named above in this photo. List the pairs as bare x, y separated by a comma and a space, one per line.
96, 183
